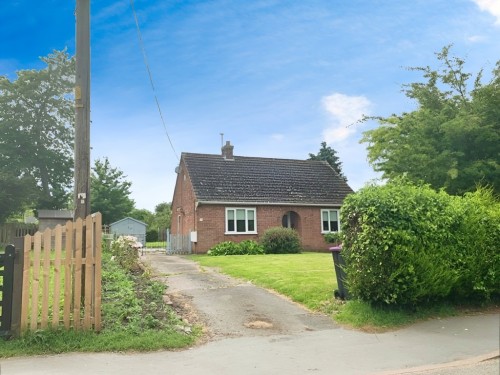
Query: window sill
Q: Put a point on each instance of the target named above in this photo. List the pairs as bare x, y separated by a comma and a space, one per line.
233, 233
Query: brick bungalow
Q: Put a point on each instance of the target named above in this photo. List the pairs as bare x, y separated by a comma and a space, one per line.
233, 198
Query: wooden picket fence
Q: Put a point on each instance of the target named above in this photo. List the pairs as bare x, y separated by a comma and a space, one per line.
62, 277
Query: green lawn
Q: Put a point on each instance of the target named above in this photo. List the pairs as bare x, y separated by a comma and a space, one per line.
307, 278
156, 245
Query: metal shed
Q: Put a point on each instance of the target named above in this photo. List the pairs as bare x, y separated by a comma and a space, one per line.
129, 227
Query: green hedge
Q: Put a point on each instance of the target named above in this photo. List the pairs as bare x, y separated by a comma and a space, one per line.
405, 244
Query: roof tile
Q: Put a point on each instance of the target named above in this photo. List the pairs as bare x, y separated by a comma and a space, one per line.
264, 180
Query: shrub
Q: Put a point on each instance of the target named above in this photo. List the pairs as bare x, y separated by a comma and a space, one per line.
247, 247
407, 244
477, 255
395, 238
225, 248
250, 247
333, 237
279, 240
125, 251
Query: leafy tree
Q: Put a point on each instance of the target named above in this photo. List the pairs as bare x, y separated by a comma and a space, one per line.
451, 140
329, 155
143, 215
163, 215
36, 133
157, 221
109, 192
14, 192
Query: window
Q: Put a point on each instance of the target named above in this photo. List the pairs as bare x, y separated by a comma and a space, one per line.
330, 221
240, 220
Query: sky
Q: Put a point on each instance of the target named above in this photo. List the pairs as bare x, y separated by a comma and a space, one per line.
276, 77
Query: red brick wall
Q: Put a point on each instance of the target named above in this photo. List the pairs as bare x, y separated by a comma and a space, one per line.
210, 225
183, 204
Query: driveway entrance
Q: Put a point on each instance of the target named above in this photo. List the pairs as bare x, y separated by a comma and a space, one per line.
228, 307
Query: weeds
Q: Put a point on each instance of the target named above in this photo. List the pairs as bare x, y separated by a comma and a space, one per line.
134, 318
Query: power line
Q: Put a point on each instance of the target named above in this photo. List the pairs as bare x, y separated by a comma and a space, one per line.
141, 43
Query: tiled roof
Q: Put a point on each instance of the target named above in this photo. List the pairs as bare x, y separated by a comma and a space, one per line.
264, 180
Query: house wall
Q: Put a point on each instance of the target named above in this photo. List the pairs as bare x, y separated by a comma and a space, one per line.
210, 225
183, 205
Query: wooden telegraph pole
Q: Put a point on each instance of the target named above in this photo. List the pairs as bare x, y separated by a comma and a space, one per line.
82, 111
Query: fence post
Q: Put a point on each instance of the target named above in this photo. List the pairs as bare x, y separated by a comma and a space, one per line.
17, 291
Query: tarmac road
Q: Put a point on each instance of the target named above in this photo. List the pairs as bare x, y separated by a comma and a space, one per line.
253, 331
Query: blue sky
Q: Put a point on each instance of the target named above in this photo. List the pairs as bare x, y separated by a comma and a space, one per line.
277, 77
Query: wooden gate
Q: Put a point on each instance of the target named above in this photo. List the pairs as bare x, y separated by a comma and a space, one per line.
6, 289
62, 277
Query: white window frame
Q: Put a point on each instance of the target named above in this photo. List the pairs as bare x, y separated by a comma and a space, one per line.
246, 210
328, 210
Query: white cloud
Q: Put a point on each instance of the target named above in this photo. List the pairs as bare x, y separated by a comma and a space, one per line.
490, 6
345, 111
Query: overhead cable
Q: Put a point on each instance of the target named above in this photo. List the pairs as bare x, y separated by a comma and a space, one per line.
141, 43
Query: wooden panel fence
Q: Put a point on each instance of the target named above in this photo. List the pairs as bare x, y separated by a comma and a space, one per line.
62, 277
9, 231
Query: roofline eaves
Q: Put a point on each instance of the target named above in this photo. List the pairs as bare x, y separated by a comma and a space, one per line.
269, 204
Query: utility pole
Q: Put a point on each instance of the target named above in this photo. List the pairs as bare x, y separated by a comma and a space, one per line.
82, 111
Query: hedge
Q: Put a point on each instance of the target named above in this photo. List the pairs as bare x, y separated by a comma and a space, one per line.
406, 244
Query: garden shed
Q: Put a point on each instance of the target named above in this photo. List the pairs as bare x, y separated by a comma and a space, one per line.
129, 227
52, 218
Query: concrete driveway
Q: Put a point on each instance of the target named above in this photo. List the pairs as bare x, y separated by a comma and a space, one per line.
253, 331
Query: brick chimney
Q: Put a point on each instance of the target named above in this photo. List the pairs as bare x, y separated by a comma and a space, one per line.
227, 151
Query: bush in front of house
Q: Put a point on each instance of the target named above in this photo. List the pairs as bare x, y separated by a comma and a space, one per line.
279, 240
250, 247
247, 247
405, 244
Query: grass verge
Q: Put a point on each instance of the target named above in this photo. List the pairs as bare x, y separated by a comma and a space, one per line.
309, 279
134, 318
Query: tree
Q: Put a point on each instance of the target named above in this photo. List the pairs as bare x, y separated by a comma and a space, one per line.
163, 215
451, 140
12, 188
109, 192
143, 215
329, 155
36, 133
157, 222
